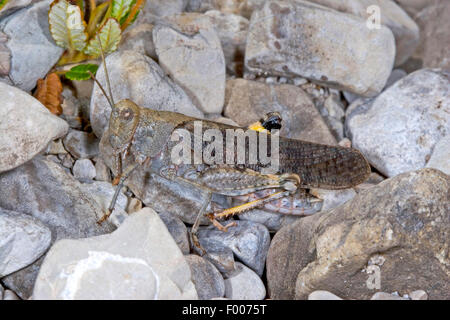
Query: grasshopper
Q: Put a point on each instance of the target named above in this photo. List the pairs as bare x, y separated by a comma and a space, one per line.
142, 137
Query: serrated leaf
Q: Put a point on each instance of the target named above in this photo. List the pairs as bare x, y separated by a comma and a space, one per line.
49, 91
110, 35
67, 26
81, 72
121, 8
132, 15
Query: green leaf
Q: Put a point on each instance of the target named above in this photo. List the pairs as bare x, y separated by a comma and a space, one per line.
3, 3
110, 35
121, 8
66, 25
80, 72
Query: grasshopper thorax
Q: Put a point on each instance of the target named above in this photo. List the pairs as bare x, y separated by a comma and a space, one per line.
123, 122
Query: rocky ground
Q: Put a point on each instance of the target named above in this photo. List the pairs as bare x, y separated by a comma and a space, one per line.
333, 79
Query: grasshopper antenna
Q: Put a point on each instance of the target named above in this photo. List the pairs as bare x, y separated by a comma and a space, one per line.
109, 98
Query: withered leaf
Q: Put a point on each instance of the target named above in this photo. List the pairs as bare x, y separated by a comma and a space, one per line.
49, 91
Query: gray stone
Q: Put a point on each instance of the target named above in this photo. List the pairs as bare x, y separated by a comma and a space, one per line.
298, 38
56, 147
137, 77
189, 50
10, 295
164, 7
15, 5
405, 30
5, 57
26, 127
139, 38
244, 284
2, 291
248, 240
418, 295
386, 296
248, 101
232, 31
239, 7
218, 254
81, 144
43, 190
434, 48
103, 192
84, 170
137, 261
290, 251
102, 172
23, 239
33, 51
400, 227
398, 130
412, 7
395, 76
207, 280
178, 231
440, 158
323, 295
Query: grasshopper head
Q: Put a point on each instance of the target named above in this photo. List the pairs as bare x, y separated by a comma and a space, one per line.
123, 123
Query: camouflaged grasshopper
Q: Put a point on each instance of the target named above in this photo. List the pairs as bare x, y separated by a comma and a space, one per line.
143, 137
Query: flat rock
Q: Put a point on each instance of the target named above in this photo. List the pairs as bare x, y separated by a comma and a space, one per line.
440, 158
43, 190
323, 295
23, 239
289, 253
244, 284
218, 254
33, 51
232, 30
84, 170
139, 260
405, 30
248, 240
26, 127
248, 101
434, 48
137, 77
398, 130
178, 231
386, 296
207, 279
399, 227
190, 51
297, 38
164, 7
81, 144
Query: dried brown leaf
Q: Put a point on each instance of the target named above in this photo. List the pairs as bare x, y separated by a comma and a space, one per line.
49, 91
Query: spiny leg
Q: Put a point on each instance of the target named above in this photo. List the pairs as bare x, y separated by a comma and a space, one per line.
196, 224
123, 177
243, 208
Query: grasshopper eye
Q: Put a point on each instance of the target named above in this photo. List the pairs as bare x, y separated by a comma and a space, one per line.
126, 114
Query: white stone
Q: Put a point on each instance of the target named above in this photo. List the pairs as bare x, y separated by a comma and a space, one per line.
191, 53
26, 127
139, 260
23, 239
244, 284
